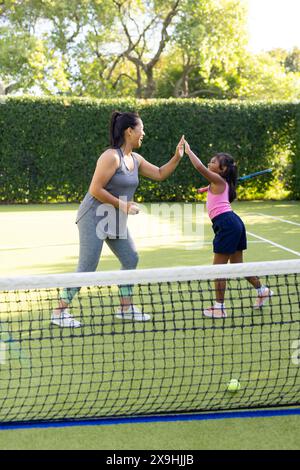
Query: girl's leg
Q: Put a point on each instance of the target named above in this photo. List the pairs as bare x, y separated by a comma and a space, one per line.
237, 257
263, 292
220, 284
218, 310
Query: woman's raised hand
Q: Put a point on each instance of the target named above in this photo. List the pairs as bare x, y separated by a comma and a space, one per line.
180, 148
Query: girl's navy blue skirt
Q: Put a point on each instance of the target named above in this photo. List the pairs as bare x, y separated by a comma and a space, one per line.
230, 233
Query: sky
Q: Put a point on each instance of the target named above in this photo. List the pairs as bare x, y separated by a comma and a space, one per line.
274, 23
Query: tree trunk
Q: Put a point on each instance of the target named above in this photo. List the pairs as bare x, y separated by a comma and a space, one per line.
185, 88
182, 85
139, 88
150, 84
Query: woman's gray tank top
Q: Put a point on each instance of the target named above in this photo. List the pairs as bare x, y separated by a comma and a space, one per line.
122, 184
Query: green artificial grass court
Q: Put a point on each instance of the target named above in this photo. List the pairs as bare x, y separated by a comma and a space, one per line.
230, 434
43, 239
184, 359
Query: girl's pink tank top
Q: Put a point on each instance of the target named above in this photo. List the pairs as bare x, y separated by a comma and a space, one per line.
218, 203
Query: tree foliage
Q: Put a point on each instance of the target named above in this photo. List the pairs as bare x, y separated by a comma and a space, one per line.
141, 48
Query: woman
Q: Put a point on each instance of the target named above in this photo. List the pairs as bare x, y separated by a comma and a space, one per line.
103, 212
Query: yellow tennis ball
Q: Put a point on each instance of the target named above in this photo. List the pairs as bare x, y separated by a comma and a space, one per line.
233, 386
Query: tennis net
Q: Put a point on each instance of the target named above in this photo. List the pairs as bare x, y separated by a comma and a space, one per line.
177, 362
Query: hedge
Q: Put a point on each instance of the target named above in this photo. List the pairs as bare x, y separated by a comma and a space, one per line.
49, 146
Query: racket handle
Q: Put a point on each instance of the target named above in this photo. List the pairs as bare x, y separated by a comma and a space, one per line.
202, 190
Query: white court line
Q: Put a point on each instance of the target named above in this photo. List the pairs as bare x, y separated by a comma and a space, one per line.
31, 247
274, 244
174, 240
276, 218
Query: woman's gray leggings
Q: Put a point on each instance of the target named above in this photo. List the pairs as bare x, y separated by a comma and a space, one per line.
90, 251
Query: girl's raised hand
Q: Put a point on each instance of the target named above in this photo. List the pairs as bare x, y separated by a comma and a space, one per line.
186, 147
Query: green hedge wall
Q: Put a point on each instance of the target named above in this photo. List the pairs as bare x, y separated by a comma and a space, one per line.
295, 174
49, 147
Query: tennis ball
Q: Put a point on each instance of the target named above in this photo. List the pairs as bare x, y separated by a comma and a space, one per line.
233, 386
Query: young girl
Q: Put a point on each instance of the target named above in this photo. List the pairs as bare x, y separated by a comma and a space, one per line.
230, 234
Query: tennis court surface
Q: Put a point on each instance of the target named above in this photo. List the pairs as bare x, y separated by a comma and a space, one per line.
177, 362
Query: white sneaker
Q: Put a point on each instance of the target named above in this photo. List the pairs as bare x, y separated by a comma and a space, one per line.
132, 314
65, 320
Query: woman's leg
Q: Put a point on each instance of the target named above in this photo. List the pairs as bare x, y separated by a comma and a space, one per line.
90, 247
126, 252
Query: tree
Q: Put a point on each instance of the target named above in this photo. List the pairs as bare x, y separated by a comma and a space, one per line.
25, 55
124, 54
146, 48
98, 39
144, 30
261, 76
15, 50
289, 60
210, 38
292, 61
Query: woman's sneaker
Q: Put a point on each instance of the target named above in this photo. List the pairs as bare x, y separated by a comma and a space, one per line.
133, 314
263, 298
64, 319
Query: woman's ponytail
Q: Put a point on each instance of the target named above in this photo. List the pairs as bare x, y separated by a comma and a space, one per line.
119, 122
112, 134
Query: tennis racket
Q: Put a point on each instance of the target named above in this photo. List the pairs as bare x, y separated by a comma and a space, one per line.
253, 175
242, 178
